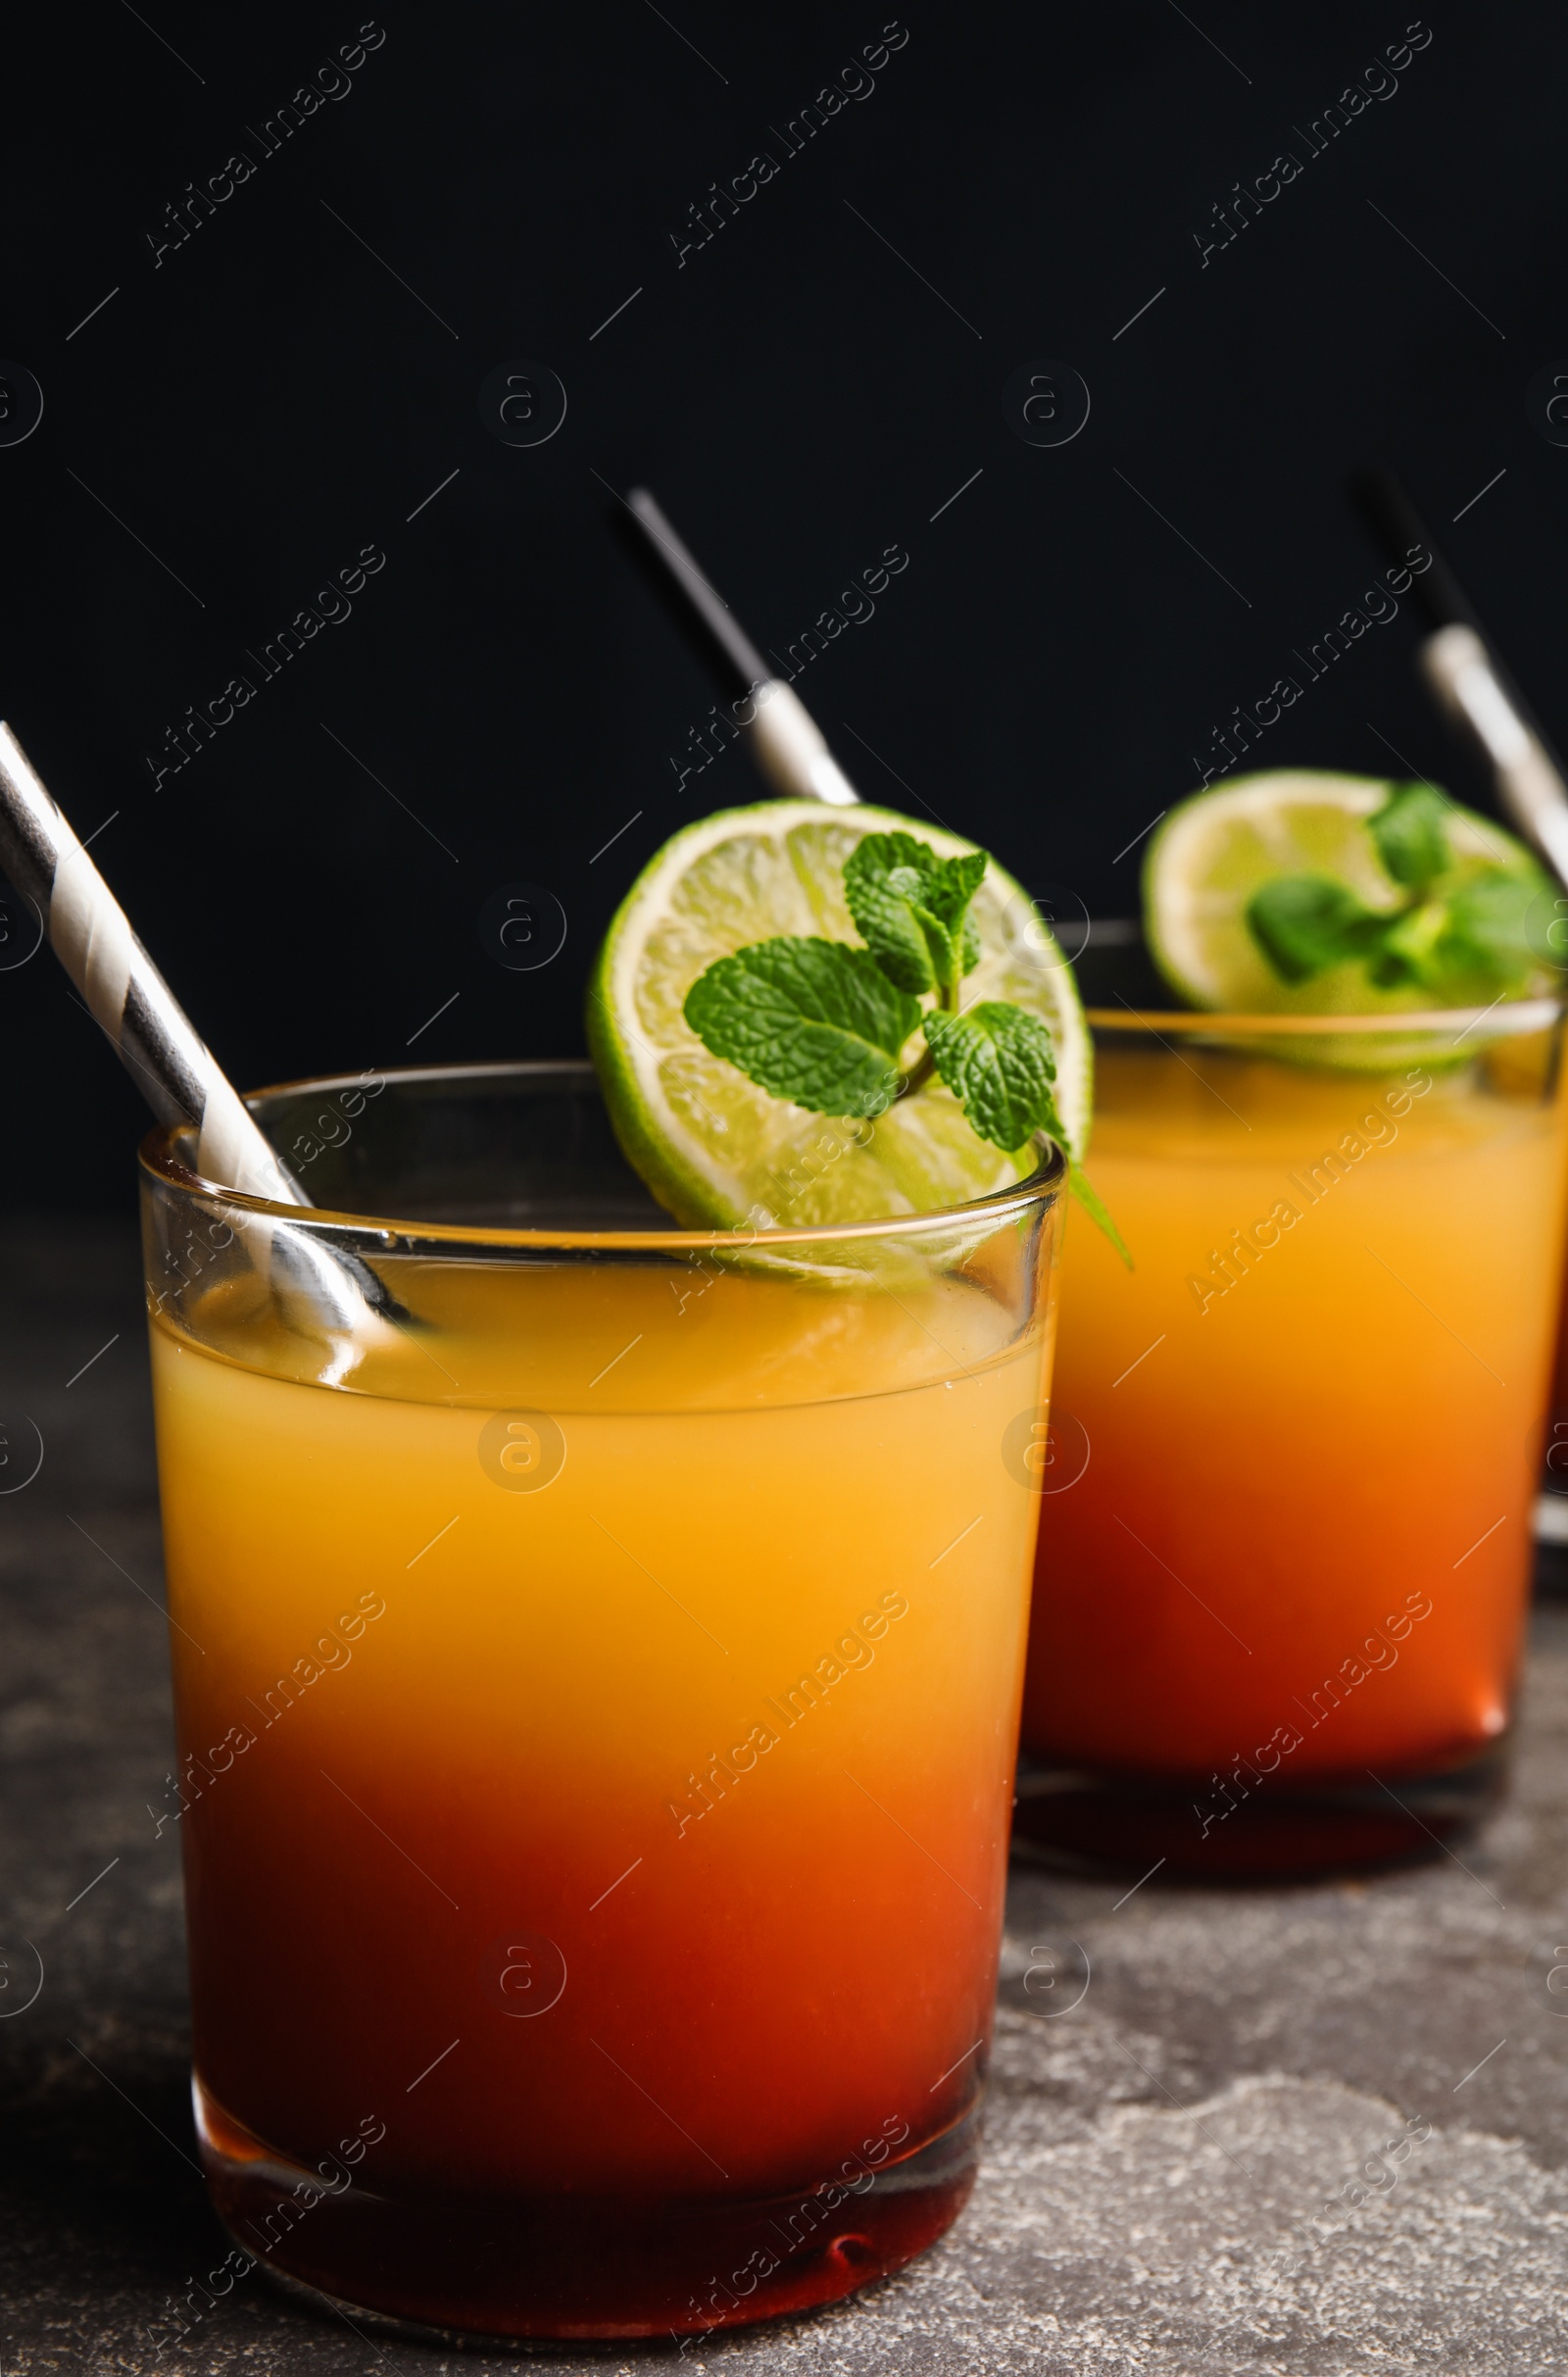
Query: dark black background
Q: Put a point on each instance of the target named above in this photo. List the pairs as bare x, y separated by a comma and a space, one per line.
269, 399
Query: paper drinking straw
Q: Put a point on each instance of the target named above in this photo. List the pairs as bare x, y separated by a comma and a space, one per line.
175, 1070
1458, 668
787, 743
128, 997
1466, 674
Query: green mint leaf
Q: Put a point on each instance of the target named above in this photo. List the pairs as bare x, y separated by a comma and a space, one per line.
912, 909
1411, 833
1303, 924
996, 1061
1488, 930
953, 884
814, 1022
1406, 952
1388, 971
1095, 1207
948, 898
884, 883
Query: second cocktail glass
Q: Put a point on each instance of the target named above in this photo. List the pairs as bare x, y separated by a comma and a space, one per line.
1285, 1536
597, 1703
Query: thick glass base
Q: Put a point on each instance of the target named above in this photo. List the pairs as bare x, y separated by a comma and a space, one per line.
1121, 1823
452, 2266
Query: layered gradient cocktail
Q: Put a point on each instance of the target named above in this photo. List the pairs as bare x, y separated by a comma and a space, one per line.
1285, 1541
597, 1693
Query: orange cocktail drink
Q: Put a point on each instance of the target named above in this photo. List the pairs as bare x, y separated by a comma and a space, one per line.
1285, 1541
597, 1705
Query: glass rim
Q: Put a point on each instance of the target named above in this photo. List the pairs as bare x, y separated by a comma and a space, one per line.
1510, 1019
157, 1159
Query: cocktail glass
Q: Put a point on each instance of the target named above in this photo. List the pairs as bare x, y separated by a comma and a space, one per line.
1287, 1494
597, 1698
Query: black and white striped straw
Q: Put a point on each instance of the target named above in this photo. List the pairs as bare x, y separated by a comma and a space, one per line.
125, 994
786, 741
1462, 668
1459, 667
154, 1040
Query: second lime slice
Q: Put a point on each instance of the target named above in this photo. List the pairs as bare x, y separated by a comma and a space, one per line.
1216, 848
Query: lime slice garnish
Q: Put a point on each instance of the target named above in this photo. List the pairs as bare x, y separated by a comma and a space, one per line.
713, 1148
1217, 848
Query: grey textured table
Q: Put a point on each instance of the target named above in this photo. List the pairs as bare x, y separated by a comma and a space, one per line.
1157, 2153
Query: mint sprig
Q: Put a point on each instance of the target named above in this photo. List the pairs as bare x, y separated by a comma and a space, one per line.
1458, 931
824, 1023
